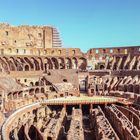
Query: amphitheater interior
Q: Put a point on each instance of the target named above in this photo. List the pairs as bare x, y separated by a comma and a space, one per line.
48, 92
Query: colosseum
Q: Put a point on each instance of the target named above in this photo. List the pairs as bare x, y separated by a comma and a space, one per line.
48, 92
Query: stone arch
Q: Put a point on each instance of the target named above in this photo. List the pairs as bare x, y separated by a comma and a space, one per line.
11, 135
61, 63
74, 63
22, 63
82, 63
68, 63
18, 64
20, 59
20, 94
10, 63
55, 63
34, 134
37, 83
10, 95
49, 138
31, 84
21, 134
47, 63
37, 90
36, 64
15, 95
40, 63
42, 90
12, 66
4, 65
27, 68
101, 66
29, 62
32, 91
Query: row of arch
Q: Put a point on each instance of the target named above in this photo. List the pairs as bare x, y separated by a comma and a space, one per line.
123, 62
41, 63
24, 94
22, 129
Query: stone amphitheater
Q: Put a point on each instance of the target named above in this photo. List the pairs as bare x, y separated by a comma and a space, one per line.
48, 92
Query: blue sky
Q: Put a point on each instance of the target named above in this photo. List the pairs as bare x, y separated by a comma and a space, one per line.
83, 24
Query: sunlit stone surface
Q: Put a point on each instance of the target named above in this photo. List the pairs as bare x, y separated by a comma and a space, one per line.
48, 92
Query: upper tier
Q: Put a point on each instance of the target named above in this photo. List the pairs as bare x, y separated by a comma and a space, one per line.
29, 36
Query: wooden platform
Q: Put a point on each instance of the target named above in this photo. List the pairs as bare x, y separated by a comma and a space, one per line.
81, 100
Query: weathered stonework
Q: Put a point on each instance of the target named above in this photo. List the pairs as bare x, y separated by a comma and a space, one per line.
48, 92
28, 37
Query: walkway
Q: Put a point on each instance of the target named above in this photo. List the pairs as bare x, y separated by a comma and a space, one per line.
80, 100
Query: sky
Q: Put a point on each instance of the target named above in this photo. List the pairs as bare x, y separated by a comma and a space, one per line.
82, 24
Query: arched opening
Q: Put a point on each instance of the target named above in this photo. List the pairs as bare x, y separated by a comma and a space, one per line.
55, 63
11, 135
4, 65
37, 90
36, 63
102, 67
36, 83
10, 95
68, 63
31, 84
73, 52
29, 62
42, 90
26, 68
82, 64
15, 95
61, 63
34, 134
46, 66
83, 86
40, 63
49, 138
74, 63
31, 92
65, 80
18, 63
20, 94
11, 65
21, 134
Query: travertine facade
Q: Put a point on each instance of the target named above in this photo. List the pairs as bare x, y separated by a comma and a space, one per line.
48, 92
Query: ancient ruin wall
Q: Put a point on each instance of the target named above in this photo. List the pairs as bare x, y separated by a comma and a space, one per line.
29, 36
